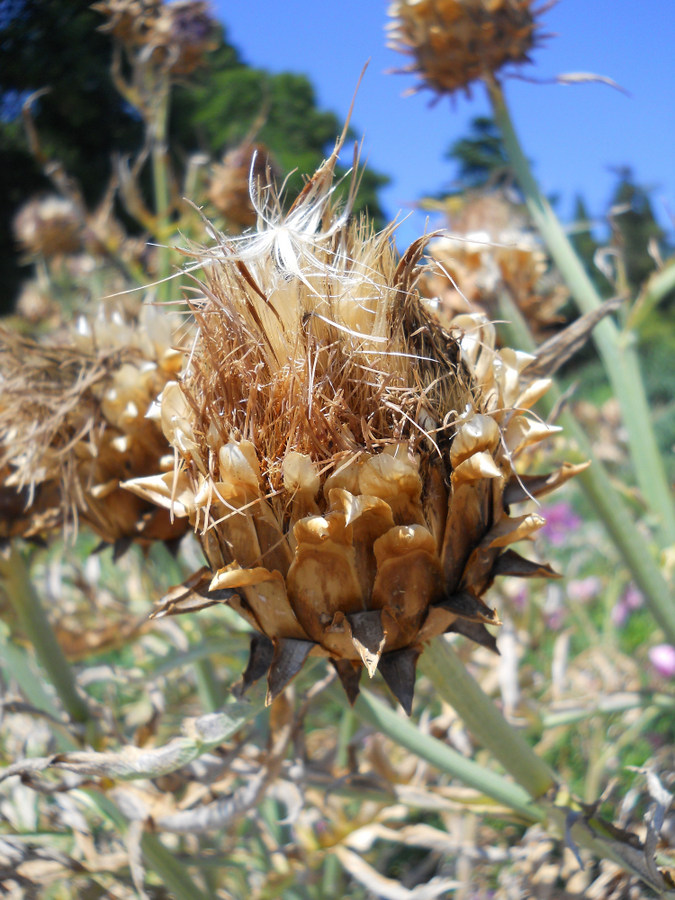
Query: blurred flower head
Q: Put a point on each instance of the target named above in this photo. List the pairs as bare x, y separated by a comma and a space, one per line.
173, 35
583, 590
487, 250
455, 42
48, 226
662, 658
631, 600
561, 521
230, 187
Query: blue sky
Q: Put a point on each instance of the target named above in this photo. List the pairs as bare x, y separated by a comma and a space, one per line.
573, 134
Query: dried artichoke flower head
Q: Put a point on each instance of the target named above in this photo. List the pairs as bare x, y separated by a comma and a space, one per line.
228, 189
346, 462
176, 35
487, 250
455, 42
48, 226
73, 426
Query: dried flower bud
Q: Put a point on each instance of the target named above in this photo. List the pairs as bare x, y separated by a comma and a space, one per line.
48, 226
35, 304
175, 35
229, 188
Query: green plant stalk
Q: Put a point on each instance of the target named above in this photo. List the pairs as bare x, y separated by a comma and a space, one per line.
35, 624
16, 664
369, 709
172, 872
617, 349
208, 688
597, 766
608, 505
653, 291
558, 812
159, 155
608, 706
448, 674
332, 879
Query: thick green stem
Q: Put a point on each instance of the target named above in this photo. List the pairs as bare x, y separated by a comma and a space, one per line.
208, 687
375, 712
456, 686
616, 348
608, 504
558, 812
36, 626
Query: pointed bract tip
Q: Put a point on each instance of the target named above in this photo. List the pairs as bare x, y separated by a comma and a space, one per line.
398, 670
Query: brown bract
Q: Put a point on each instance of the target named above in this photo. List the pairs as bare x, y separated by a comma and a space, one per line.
347, 463
455, 42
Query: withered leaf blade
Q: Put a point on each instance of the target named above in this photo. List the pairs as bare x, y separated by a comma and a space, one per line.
555, 352
289, 657
190, 596
260, 658
350, 675
368, 637
512, 563
398, 670
476, 632
470, 607
524, 487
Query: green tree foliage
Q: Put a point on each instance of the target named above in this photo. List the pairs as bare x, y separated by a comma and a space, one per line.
635, 228
226, 103
83, 121
55, 44
480, 156
586, 245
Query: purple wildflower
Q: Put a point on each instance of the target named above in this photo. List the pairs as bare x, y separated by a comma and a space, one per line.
560, 521
662, 657
631, 600
584, 589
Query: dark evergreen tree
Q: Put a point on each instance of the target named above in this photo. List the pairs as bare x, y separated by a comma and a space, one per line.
480, 156
635, 227
586, 246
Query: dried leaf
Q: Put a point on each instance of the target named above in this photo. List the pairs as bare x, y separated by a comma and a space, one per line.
389, 888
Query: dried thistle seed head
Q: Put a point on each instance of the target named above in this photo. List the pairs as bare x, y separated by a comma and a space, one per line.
489, 249
175, 35
229, 188
73, 425
35, 304
347, 463
455, 42
48, 226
